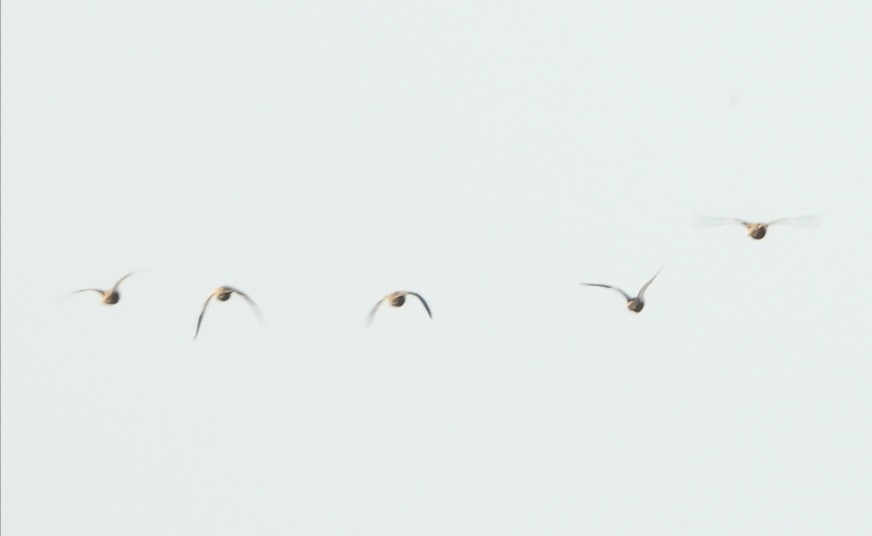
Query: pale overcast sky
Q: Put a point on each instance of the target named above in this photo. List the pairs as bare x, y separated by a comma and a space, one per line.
490, 156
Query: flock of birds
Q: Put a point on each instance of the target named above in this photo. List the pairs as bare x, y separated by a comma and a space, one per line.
756, 230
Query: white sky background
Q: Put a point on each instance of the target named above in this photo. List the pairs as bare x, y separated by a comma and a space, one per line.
490, 157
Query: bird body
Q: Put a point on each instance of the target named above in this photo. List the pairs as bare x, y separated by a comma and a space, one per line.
110, 296
397, 299
757, 230
634, 303
223, 294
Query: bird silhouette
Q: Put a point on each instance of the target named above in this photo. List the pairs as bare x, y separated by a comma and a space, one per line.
110, 296
397, 299
223, 294
757, 230
634, 303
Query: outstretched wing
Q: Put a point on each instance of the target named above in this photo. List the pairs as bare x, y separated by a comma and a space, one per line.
627, 296
645, 286
200, 320
122, 279
427, 307
67, 295
808, 220
86, 290
249, 300
372, 313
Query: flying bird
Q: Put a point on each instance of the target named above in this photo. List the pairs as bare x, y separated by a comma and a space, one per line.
108, 297
397, 299
757, 230
634, 303
223, 294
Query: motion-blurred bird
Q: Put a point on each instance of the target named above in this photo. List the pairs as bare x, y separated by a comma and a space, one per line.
223, 294
397, 299
757, 230
634, 303
108, 297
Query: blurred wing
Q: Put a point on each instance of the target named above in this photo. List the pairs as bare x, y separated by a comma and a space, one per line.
249, 300
645, 286
627, 296
809, 220
372, 313
427, 307
122, 279
200, 320
80, 290
87, 290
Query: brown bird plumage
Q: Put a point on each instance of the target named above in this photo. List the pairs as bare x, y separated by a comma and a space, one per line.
634, 303
397, 299
757, 230
223, 294
110, 296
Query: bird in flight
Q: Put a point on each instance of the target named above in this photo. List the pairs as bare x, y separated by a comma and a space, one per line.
223, 294
110, 296
397, 299
757, 230
634, 303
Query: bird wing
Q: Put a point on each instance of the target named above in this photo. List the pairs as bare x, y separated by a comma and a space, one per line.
808, 220
87, 290
67, 295
372, 313
200, 320
611, 287
645, 286
122, 279
427, 307
249, 300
